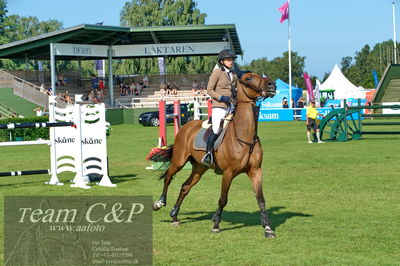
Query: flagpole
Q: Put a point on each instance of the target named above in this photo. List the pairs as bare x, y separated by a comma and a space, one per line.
290, 58
394, 35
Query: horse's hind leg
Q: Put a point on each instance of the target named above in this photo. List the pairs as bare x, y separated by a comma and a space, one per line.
176, 165
197, 171
255, 176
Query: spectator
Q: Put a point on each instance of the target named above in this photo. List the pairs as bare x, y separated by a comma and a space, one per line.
311, 116
175, 88
38, 111
42, 89
92, 96
98, 96
101, 84
121, 89
203, 88
145, 81
285, 103
49, 91
162, 89
301, 102
169, 89
138, 89
195, 88
60, 80
132, 88
67, 98
95, 82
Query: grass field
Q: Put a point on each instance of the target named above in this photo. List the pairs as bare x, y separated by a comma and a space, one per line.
332, 203
20, 105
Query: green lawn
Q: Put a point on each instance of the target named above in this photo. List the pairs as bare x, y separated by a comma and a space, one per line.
332, 203
20, 105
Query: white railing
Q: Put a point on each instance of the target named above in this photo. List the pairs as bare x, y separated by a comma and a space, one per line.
24, 89
197, 112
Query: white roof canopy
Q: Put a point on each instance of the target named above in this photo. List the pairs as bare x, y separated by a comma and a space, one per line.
344, 89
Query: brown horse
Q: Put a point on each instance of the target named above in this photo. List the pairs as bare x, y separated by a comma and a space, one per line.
239, 152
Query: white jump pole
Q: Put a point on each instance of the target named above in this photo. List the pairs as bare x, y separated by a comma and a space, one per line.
53, 160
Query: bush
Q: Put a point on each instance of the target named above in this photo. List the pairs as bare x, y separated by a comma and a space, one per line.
24, 133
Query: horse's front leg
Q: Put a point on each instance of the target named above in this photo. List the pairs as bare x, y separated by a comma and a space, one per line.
223, 200
168, 175
255, 176
197, 171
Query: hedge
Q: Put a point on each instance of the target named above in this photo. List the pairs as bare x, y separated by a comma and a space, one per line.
24, 133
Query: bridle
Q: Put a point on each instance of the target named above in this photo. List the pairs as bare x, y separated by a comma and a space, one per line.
250, 86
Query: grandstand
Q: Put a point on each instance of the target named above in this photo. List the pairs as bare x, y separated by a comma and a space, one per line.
74, 84
388, 89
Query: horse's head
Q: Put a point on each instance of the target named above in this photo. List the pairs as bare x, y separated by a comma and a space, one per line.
257, 86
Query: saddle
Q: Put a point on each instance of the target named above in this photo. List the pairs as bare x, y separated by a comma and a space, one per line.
202, 135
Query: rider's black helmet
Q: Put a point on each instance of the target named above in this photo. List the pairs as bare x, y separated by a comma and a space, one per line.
226, 54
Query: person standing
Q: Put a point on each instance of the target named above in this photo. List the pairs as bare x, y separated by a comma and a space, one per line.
145, 81
221, 87
311, 116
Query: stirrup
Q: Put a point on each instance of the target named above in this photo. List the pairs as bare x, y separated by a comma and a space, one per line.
207, 162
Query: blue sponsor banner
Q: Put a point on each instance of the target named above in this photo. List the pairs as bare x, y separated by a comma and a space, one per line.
354, 102
283, 114
276, 114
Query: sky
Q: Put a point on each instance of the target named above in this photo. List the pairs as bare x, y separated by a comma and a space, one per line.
322, 31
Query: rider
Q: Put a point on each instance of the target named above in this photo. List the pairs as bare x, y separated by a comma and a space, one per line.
221, 87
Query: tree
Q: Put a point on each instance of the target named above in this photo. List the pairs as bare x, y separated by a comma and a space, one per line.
278, 68
346, 63
3, 12
359, 72
14, 28
142, 13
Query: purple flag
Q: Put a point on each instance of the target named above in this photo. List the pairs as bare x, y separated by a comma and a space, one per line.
309, 86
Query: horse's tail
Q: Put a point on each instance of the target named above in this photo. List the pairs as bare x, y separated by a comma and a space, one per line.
163, 155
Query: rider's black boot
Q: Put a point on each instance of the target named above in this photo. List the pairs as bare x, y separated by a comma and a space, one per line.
208, 158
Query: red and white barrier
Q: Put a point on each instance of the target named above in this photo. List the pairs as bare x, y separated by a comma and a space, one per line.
162, 115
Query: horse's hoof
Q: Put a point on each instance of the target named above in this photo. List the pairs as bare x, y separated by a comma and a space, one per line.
157, 205
215, 230
269, 233
175, 224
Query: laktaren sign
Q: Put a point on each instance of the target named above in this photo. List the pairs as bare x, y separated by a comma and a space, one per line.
83, 50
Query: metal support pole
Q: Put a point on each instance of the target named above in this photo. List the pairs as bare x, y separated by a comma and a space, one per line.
26, 62
162, 141
110, 76
359, 118
53, 69
79, 81
345, 120
394, 35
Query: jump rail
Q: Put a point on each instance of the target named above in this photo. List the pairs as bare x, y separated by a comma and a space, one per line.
31, 172
36, 125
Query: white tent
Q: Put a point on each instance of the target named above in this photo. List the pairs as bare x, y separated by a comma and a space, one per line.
344, 89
